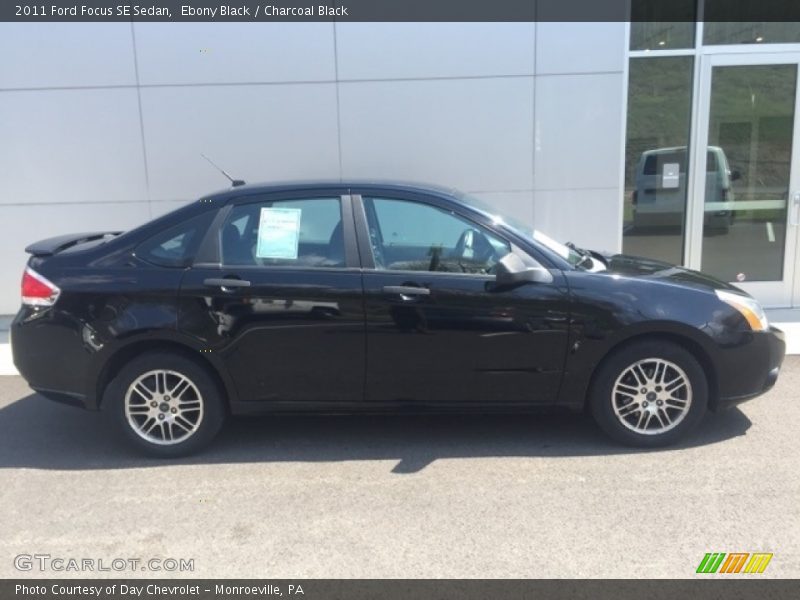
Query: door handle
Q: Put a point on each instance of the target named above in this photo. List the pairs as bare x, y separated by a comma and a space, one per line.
794, 211
407, 291
226, 284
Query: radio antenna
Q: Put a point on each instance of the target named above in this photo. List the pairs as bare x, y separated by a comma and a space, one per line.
234, 182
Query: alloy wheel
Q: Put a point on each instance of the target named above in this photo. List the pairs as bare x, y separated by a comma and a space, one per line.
652, 396
163, 407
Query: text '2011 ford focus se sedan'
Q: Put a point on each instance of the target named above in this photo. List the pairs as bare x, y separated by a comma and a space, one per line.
343, 297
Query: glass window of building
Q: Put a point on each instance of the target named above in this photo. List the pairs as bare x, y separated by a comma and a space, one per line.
729, 22
661, 25
656, 165
750, 131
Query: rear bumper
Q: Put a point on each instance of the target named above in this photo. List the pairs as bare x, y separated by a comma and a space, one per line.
50, 356
748, 370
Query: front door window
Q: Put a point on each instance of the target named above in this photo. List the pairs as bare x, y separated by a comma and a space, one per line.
409, 236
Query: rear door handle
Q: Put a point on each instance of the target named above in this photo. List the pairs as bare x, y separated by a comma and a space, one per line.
406, 290
226, 284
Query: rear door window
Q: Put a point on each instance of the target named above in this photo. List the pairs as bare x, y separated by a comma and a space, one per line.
304, 232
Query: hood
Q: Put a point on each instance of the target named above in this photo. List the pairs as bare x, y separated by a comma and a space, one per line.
648, 268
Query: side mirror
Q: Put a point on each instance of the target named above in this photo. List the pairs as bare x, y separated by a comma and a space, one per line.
511, 270
736, 175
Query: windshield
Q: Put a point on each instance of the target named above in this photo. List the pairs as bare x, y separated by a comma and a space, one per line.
573, 257
564, 251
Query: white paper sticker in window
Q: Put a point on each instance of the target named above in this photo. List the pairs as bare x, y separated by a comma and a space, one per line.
278, 233
670, 176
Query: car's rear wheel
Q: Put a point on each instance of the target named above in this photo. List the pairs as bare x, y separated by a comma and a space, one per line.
650, 393
166, 404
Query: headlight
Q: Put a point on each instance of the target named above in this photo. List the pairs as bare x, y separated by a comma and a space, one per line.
749, 308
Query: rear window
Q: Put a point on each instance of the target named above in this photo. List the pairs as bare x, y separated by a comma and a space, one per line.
653, 162
176, 246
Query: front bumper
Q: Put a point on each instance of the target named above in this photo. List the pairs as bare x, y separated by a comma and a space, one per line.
749, 369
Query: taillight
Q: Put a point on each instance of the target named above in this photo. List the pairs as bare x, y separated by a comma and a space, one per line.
37, 291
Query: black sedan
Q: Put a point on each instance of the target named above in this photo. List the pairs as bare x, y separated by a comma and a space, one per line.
351, 296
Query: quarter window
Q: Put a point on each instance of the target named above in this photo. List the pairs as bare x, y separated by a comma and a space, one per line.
303, 233
410, 236
176, 246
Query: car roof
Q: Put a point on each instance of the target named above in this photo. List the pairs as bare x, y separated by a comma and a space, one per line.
282, 186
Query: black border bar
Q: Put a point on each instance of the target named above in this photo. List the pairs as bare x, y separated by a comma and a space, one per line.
395, 10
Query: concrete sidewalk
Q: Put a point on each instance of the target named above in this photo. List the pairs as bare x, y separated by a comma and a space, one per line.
786, 319
6, 364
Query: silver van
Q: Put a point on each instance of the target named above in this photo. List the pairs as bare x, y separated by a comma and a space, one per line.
659, 196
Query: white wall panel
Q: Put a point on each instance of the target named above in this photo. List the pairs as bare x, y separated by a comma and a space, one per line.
591, 218
417, 50
580, 47
65, 55
472, 134
162, 207
578, 131
518, 205
170, 53
256, 133
70, 146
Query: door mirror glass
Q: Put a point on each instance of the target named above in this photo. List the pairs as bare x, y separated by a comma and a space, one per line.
511, 270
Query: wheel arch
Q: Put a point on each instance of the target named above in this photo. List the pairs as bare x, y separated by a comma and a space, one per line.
687, 342
130, 351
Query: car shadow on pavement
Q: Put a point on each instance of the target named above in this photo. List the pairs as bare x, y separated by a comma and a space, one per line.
37, 433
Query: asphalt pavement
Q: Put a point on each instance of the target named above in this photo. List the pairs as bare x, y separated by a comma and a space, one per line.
400, 496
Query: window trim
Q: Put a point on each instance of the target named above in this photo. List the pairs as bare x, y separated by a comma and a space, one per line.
209, 253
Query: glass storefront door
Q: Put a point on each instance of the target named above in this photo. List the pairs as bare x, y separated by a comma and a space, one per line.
745, 202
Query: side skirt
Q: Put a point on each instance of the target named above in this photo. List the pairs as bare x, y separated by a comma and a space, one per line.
333, 408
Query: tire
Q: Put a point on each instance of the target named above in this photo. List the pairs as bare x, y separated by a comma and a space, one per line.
675, 400
189, 422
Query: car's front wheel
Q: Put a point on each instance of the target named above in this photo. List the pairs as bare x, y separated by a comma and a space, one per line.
166, 404
650, 393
